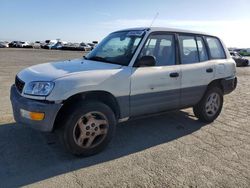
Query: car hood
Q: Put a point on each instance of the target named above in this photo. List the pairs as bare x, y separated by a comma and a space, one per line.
54, 70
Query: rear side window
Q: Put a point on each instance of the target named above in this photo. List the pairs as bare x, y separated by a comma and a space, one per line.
188, 49
215, 47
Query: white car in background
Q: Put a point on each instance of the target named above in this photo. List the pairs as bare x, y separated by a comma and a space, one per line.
4, 44
37, 44
23, 44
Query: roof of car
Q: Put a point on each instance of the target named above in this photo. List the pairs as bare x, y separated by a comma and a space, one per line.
164, 29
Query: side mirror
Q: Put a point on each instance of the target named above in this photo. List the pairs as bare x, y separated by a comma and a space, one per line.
146, 61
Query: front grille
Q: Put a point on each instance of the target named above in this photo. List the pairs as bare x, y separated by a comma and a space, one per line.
19, 84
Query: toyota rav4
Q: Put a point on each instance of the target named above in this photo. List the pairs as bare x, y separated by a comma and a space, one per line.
132, 72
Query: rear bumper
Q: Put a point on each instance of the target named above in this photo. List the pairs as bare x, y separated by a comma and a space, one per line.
50, 110
229, 84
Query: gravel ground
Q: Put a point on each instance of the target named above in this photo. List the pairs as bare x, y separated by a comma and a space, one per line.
169, 150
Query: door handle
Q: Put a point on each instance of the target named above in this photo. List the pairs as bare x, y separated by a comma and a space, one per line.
209, 70
174, 74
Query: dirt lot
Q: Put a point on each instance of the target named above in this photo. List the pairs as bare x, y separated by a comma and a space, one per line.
170, 150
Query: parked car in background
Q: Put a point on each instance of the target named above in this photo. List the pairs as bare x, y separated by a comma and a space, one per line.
13, 44
44, 44
85, 47
4, 44
72, 47
24, 45
56, 46
78, 47
92, 45
53, 44
239, 60
48, 43
37, 44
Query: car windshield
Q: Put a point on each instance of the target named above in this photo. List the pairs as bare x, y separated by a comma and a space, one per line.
117, 48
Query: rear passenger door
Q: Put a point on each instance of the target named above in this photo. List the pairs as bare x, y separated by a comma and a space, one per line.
196, 69
218, 56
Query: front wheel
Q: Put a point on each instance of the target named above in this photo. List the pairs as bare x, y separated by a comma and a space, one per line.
88, 128
209, 108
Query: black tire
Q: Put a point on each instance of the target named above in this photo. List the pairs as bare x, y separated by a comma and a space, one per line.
246, 63
200, 109
71, 121
196, 111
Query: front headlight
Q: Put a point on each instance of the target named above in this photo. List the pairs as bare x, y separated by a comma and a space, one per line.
39, 88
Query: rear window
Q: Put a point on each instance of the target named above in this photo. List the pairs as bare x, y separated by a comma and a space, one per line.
215, 47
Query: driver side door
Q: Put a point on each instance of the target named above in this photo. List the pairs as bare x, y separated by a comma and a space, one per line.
156, 88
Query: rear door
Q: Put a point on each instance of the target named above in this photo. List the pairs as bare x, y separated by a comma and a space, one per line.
156, 88
196, 69
223, 66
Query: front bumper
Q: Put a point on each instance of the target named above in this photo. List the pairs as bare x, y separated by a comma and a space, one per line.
229, 84
49, 109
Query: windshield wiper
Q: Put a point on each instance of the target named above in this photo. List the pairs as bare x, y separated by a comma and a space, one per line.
98, 58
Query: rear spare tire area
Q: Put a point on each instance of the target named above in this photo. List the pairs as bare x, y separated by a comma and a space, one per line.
88, 128
209, 108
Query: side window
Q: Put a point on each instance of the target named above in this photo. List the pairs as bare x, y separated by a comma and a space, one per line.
149, 47
162, 47
188, 49
202, 49
215, 47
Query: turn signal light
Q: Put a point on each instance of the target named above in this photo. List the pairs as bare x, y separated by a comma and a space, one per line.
36, 116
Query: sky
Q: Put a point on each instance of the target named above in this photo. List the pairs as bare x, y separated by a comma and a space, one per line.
79, 20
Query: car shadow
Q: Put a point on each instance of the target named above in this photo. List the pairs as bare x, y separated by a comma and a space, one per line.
28, 156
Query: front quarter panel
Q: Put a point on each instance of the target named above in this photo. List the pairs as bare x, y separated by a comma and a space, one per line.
114, 81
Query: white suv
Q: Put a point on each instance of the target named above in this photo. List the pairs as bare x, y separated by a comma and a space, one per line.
130, 73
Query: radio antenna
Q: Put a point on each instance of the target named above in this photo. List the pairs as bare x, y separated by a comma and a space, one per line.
156, 15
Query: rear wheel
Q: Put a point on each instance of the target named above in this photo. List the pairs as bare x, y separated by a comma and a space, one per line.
89, 128
209, 108
246, 63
